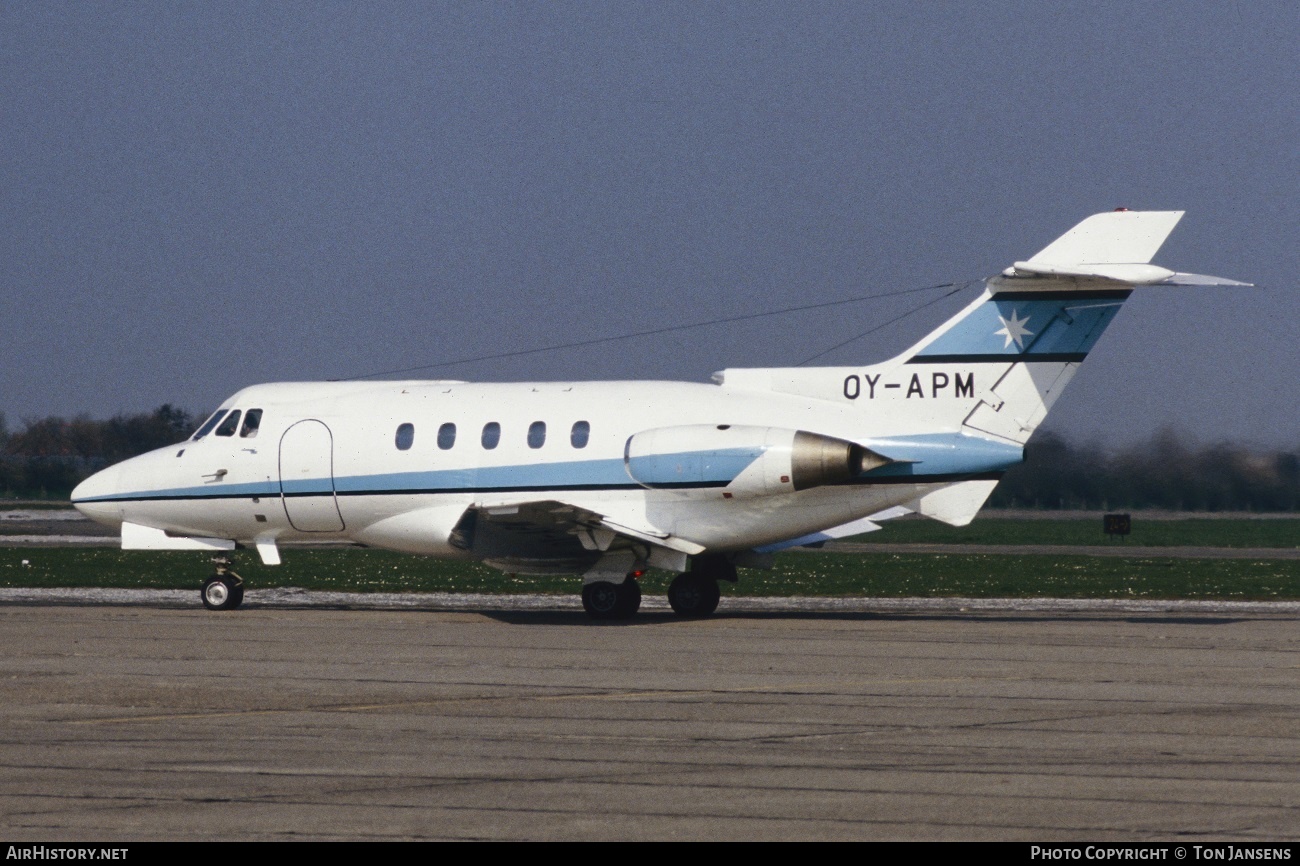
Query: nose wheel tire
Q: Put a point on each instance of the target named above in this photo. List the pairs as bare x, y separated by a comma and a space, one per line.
605, 600
693, 596
222, 592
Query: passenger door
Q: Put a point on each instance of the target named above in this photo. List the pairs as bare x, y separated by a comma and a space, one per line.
307, 478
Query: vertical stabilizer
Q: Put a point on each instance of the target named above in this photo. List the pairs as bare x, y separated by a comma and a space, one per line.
995, 369
1023, 339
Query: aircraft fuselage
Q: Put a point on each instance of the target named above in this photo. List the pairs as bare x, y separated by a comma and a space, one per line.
396, 464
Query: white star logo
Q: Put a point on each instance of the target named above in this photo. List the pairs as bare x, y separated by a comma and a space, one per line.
1014, 330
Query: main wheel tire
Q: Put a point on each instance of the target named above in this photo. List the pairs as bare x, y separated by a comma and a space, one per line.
605, 600
629, 599
221, 593
693, 596
600, 599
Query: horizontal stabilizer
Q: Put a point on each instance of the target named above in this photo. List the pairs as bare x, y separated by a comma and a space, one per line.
1200, 280
1115, 247
1133, 274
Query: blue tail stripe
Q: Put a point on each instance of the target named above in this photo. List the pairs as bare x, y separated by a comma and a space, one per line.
1006, 326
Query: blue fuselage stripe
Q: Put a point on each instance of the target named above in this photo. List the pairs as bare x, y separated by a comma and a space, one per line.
926, 458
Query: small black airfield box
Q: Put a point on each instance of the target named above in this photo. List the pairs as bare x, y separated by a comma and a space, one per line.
1117, 524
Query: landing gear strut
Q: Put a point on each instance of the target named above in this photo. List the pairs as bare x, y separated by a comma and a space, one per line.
605, 600
224, 590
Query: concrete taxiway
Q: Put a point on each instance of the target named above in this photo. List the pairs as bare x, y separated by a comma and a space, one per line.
146, 718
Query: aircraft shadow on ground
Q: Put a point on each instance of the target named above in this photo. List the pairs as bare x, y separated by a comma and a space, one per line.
522, 617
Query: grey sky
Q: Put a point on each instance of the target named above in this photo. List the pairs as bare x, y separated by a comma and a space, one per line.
201, 196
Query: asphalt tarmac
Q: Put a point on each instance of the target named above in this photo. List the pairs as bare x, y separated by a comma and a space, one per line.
143, 717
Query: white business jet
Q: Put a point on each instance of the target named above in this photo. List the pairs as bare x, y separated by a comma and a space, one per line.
607, 479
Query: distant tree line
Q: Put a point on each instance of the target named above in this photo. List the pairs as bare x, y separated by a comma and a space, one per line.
1164, 472
49, 456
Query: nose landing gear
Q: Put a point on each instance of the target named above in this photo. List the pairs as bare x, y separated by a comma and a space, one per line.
224, 590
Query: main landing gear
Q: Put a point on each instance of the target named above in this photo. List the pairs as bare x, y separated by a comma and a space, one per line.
224, 590
693, 596
695, 593
605, 600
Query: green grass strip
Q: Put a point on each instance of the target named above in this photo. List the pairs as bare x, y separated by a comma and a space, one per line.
814, 574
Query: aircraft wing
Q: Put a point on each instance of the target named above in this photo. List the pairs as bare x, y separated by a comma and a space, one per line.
855, 527
555, 532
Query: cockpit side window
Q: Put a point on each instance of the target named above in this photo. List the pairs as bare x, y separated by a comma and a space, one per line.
230, 425
252, 421
208, 425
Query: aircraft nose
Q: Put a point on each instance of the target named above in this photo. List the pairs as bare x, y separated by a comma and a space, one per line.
89, 496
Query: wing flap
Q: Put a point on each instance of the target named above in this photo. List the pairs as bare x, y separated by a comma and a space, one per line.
551, 527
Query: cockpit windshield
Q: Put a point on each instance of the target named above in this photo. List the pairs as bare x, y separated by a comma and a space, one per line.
252, 421
229, 425
209, 424
226, 421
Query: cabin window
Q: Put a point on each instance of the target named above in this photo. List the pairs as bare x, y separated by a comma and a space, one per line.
252, 421
209, 424
537, 434
446, 436
230, 425
491, 435
579, 435
405, 437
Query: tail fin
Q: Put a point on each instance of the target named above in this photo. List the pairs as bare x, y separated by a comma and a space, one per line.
1023, 339
995, 368
1019, 344
952, 411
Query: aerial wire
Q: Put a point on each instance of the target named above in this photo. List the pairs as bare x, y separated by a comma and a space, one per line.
955, 286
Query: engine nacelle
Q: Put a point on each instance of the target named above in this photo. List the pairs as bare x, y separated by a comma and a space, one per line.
743, 461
